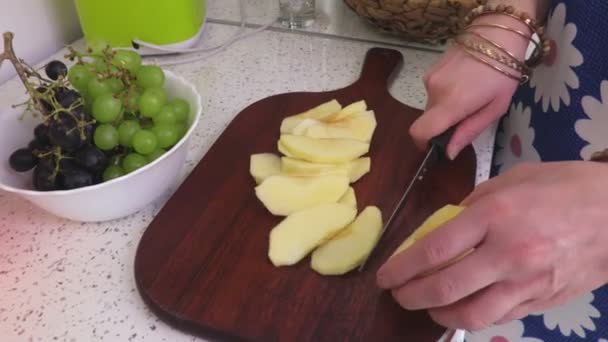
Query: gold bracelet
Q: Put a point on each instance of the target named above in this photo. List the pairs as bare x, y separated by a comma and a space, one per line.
522, 78
520, 16
538, 50
513, 63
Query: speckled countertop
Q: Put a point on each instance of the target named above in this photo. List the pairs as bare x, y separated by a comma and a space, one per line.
67, 281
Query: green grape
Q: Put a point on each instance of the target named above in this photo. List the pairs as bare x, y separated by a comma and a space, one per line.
182, 129
130, 101
97, 87
150, 76
167, 135
133, 161
181, 108
116, 85
79, 76
129, 60
165, 116
161, 93
105, 137
126, 131
97, 45
144, 142
150, 102
155, 155
106, 108
111, 172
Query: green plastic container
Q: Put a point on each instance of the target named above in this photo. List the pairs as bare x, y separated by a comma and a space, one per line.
160, 22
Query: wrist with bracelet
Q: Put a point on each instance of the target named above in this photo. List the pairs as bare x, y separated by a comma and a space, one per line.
492, 53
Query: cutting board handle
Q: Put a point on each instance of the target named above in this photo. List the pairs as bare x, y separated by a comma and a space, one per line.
379, 66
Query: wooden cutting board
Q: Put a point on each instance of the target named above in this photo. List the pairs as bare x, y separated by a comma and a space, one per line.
202, 264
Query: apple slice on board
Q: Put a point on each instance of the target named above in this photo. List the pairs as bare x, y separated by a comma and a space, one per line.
351, 246
301, 232
283, 195
323, 150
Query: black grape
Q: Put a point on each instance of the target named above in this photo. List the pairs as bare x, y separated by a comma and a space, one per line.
41, 132
64, 132
91, 158
55, 69
44, 179
75, 178
23, 160
36, 147
66, 97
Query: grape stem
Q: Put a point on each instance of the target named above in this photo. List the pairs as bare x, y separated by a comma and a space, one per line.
9, 54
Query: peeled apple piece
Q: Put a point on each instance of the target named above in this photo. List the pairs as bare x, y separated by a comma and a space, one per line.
349, 198
359, 127
283, 195
319, 112
301, 232
355, 169
264, 165
322, 150
438, 218
351, 246
353, 108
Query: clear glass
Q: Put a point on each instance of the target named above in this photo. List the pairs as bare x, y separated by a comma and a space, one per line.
297, 13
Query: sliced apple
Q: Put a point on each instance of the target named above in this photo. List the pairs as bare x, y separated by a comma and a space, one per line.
353, 108
349, 198
359, 168
301, 128
323, 150
439, 217
319, 112
283, 195
301, 232
264, 165
359, 126
351, 246
355, 169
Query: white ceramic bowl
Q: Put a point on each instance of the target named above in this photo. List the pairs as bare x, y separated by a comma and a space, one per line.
109, 200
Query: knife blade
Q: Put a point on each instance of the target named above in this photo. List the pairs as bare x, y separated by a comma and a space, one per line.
435, 152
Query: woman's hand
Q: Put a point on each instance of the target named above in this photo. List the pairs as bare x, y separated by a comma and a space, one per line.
463, 90
539, 233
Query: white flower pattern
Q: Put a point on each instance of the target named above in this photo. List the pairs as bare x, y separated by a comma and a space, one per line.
509, 332
573, 316
553, 78
593, 130
516, 139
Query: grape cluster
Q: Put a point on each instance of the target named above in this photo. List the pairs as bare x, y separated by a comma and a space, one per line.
104, 117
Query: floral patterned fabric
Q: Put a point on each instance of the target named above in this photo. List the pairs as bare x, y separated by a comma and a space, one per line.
561, 114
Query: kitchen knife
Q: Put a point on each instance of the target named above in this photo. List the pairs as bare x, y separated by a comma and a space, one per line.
435, 152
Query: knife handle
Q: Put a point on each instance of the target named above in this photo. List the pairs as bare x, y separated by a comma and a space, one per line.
441, 141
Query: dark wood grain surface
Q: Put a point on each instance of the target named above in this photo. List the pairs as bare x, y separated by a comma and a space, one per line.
202, 264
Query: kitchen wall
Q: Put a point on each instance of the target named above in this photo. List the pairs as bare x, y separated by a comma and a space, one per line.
41, 28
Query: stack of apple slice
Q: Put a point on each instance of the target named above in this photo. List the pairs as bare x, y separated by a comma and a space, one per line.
310, 184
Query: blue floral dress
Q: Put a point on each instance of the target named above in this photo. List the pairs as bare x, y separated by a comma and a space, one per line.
561, 114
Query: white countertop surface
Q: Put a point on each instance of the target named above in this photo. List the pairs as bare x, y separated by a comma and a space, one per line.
68, 281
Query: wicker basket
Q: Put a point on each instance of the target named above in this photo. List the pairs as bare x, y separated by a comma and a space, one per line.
421, 21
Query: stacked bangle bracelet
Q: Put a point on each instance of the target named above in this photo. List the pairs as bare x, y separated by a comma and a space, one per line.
493, 54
